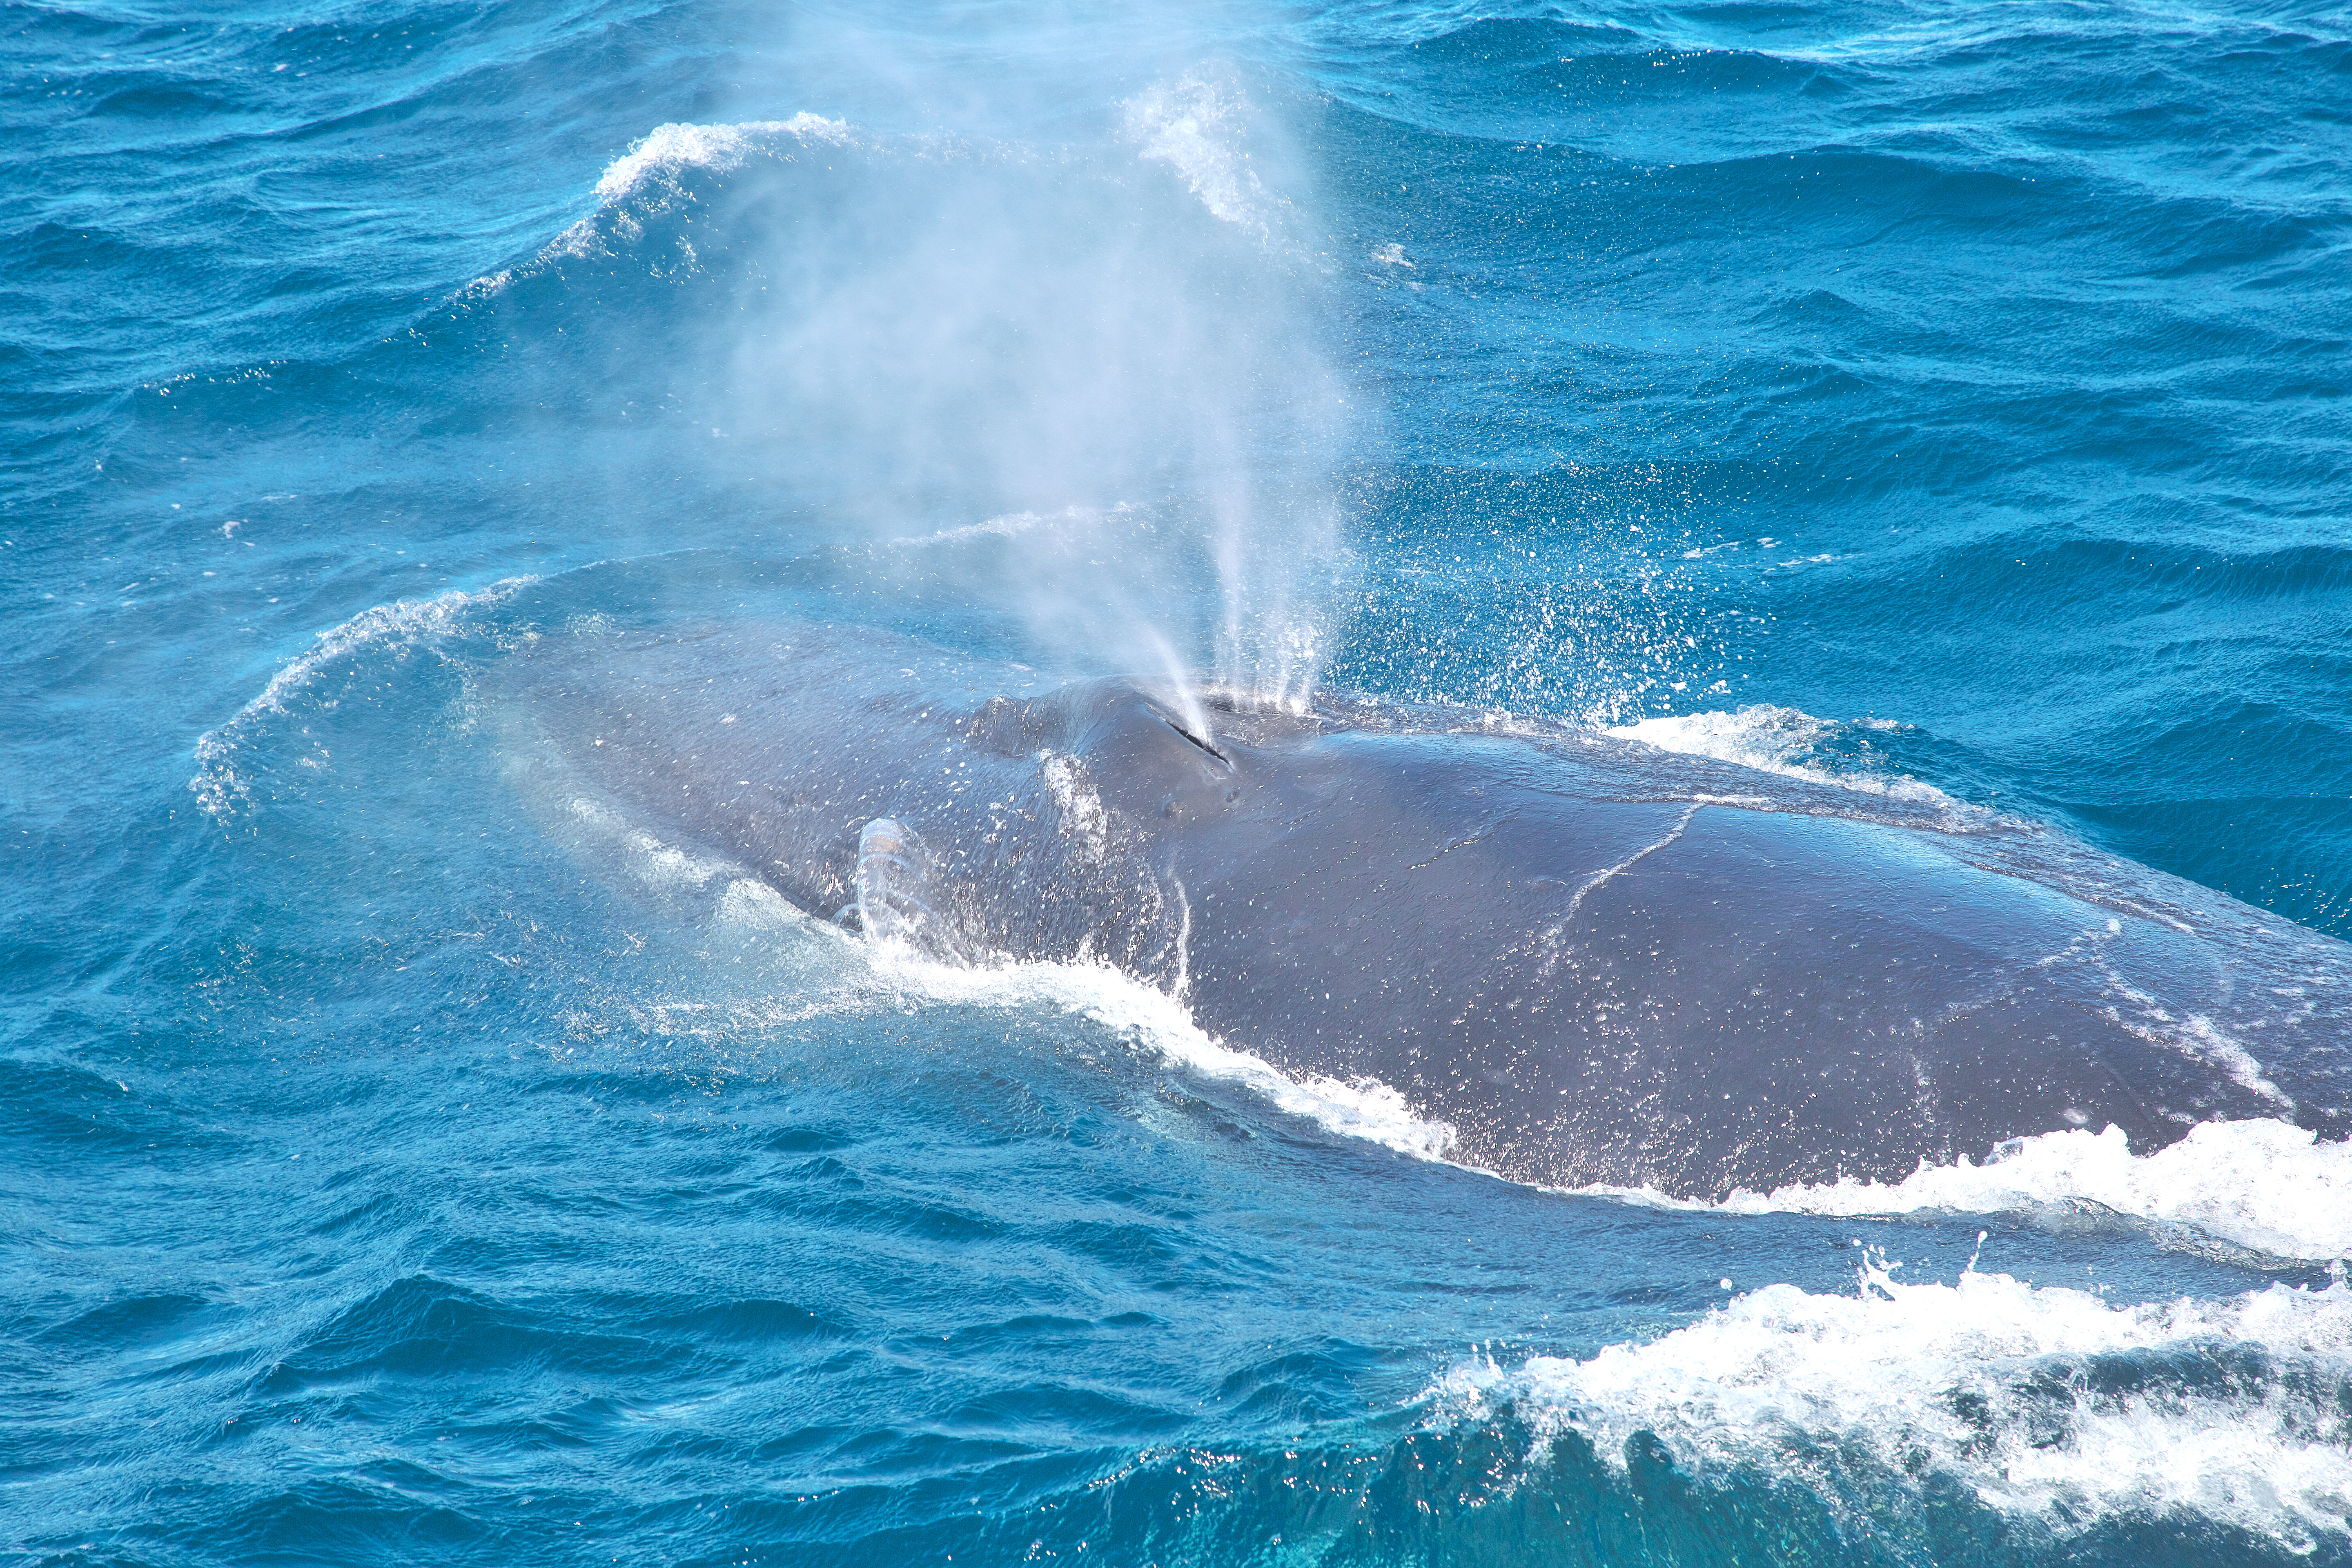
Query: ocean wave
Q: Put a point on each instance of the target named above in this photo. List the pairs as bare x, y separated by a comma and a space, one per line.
662, 152
649, 172
218, 785
2050, 1404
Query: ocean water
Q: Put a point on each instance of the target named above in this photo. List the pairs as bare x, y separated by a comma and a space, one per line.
403, 1163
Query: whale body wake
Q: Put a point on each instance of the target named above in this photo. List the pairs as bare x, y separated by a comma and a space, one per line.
1599, 962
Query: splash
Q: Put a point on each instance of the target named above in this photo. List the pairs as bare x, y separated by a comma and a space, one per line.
1197, 127
1784, 741
2264, 1184
2050, 1404
1365, 1108
858, 972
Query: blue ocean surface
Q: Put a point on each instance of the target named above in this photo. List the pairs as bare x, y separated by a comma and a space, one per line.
402, 1162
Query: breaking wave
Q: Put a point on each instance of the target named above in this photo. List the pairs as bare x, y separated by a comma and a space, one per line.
220, 787
2049, 1404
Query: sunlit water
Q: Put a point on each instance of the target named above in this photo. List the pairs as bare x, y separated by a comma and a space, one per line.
405, 1161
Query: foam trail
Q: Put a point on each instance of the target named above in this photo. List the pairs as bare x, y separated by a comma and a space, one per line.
2049, 1404
2264, 1185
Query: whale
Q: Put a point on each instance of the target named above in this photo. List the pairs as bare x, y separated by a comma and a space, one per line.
1599, 963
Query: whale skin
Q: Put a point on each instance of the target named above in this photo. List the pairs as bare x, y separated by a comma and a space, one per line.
1600, 962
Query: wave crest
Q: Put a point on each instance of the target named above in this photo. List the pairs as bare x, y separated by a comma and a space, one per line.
219, 787
2048, 1403
666, 149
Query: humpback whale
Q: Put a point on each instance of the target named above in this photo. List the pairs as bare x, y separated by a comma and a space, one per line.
1599, 962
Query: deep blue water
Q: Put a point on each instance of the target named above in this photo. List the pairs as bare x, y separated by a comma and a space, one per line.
393, 1169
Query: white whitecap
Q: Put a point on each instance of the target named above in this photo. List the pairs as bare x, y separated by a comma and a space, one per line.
666, 149
1986, 1380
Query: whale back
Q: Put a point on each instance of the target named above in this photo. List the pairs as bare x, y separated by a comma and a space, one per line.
1600, 962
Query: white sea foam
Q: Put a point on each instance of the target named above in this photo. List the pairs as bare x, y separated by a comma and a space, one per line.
2264, 1184
665, 150
401, 625
1986, 1380
656, 160
1195, 127
1365, 1109
1775, 741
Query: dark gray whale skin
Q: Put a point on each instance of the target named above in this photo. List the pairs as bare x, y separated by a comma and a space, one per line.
1600, 962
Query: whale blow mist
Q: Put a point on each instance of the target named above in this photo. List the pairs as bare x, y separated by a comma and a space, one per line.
1053, 343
